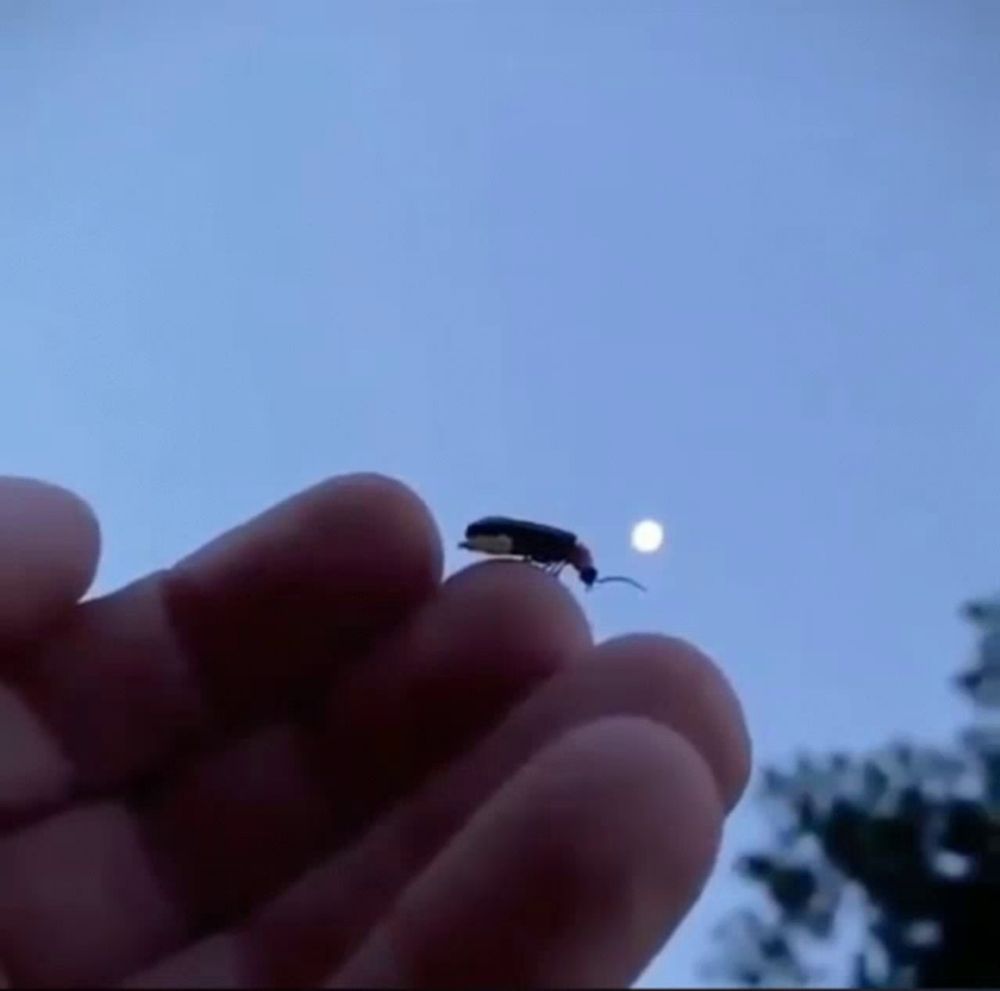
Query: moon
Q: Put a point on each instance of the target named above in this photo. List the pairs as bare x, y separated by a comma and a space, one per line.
647, 536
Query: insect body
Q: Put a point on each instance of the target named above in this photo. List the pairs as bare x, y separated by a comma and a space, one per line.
537, 543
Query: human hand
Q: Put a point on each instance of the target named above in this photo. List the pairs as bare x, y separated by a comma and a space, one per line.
296, 758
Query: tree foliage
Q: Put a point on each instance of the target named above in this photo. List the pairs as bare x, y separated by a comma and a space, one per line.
906, 838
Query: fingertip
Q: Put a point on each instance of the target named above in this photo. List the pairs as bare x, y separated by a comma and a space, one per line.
289, 595
385, 530
511, 598
364, 529
638, 777
49, 549
693, 695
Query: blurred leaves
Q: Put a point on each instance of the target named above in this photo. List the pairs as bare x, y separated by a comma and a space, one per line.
912, 831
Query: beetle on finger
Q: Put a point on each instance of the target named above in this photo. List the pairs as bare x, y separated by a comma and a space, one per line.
537, 543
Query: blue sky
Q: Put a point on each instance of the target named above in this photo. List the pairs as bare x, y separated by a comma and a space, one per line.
724, 264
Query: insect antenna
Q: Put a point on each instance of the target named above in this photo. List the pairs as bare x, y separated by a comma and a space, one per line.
621, 578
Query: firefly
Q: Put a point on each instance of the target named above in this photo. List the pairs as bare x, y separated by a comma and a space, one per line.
536, 543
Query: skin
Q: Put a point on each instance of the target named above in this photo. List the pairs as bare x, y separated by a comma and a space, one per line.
297, 758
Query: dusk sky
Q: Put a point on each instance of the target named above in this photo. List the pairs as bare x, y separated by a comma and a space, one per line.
729, 265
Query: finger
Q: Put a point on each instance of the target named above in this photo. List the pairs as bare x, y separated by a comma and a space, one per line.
324, 916
444, 681
204, 846
214, 962
79, 900
49, 545
493, 633
571, 876
261, 609
660, 677
233, 633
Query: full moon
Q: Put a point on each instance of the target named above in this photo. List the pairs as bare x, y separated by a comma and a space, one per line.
647, 536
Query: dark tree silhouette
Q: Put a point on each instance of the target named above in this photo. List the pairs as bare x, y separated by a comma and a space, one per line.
909, 836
